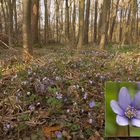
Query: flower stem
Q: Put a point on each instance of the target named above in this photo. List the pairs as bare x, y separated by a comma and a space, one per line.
128, 130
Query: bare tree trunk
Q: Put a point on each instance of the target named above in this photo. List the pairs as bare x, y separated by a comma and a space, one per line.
100, 23
62, 26
106, 9
27, 43
81, 23
91, 22
137, 28
46, 22
57, 20
95, 21
67, 21
4, 15
1, 27
126, 33
35, 20
113, 22
133, 21
15, 16
39, 27
120, 27
86, 25
10, 21
74, 22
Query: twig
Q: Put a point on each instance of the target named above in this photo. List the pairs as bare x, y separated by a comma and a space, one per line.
7, 46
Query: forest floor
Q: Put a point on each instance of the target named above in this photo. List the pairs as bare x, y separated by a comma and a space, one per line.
53, 97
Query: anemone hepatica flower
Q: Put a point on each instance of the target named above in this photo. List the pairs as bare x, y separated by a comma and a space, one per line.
126, 108
32, 107
59, 96
91, 104
58, 134
90, 121
85, 96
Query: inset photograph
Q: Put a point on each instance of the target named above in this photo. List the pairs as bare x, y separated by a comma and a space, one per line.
122, 117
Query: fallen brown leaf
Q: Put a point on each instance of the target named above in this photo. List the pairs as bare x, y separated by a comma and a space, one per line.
49, 130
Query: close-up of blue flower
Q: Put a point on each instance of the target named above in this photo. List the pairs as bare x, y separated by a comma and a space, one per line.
126, 108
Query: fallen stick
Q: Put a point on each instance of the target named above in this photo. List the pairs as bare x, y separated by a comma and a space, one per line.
7, 46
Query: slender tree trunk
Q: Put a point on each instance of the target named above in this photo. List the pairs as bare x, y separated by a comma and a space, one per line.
81, 23
74, 22
46, 29
15, 16
62, 26
100, 23
39, 26
86, 25
92, 22
4, 15
27, 42
120, 27
133, 21
106, 9
126, 33
49, 34
1, 27
137, 28
67, 21
95, 21
113, 22
57, 20
10, 17
35, 20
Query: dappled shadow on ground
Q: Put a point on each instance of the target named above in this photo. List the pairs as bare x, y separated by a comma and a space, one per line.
61, 92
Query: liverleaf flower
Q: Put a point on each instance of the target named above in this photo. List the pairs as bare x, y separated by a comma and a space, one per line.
126, 108
58, 134
91, 104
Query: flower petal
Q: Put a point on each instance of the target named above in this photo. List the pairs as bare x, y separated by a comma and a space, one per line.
136, 101
116, 108
124, 98
138, 114
135, 122
121, 120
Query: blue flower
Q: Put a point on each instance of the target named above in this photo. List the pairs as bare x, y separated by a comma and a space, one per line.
58, 134
127, 110
59, 96
91, 104
85, 96
31, 107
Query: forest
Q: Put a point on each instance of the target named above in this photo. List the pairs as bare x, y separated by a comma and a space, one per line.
55, 59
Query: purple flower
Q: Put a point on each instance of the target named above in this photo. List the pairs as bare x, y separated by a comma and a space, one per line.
7, 126
90, 82
32, 107
127, 110
85, 96
68, 110
29, 71
58, 134
90, 121
59, 96
40, 87
91, 104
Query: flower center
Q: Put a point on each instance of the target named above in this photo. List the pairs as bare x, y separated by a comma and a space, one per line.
130, 112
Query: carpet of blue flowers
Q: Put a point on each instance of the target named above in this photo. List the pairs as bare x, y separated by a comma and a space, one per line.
60, 94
